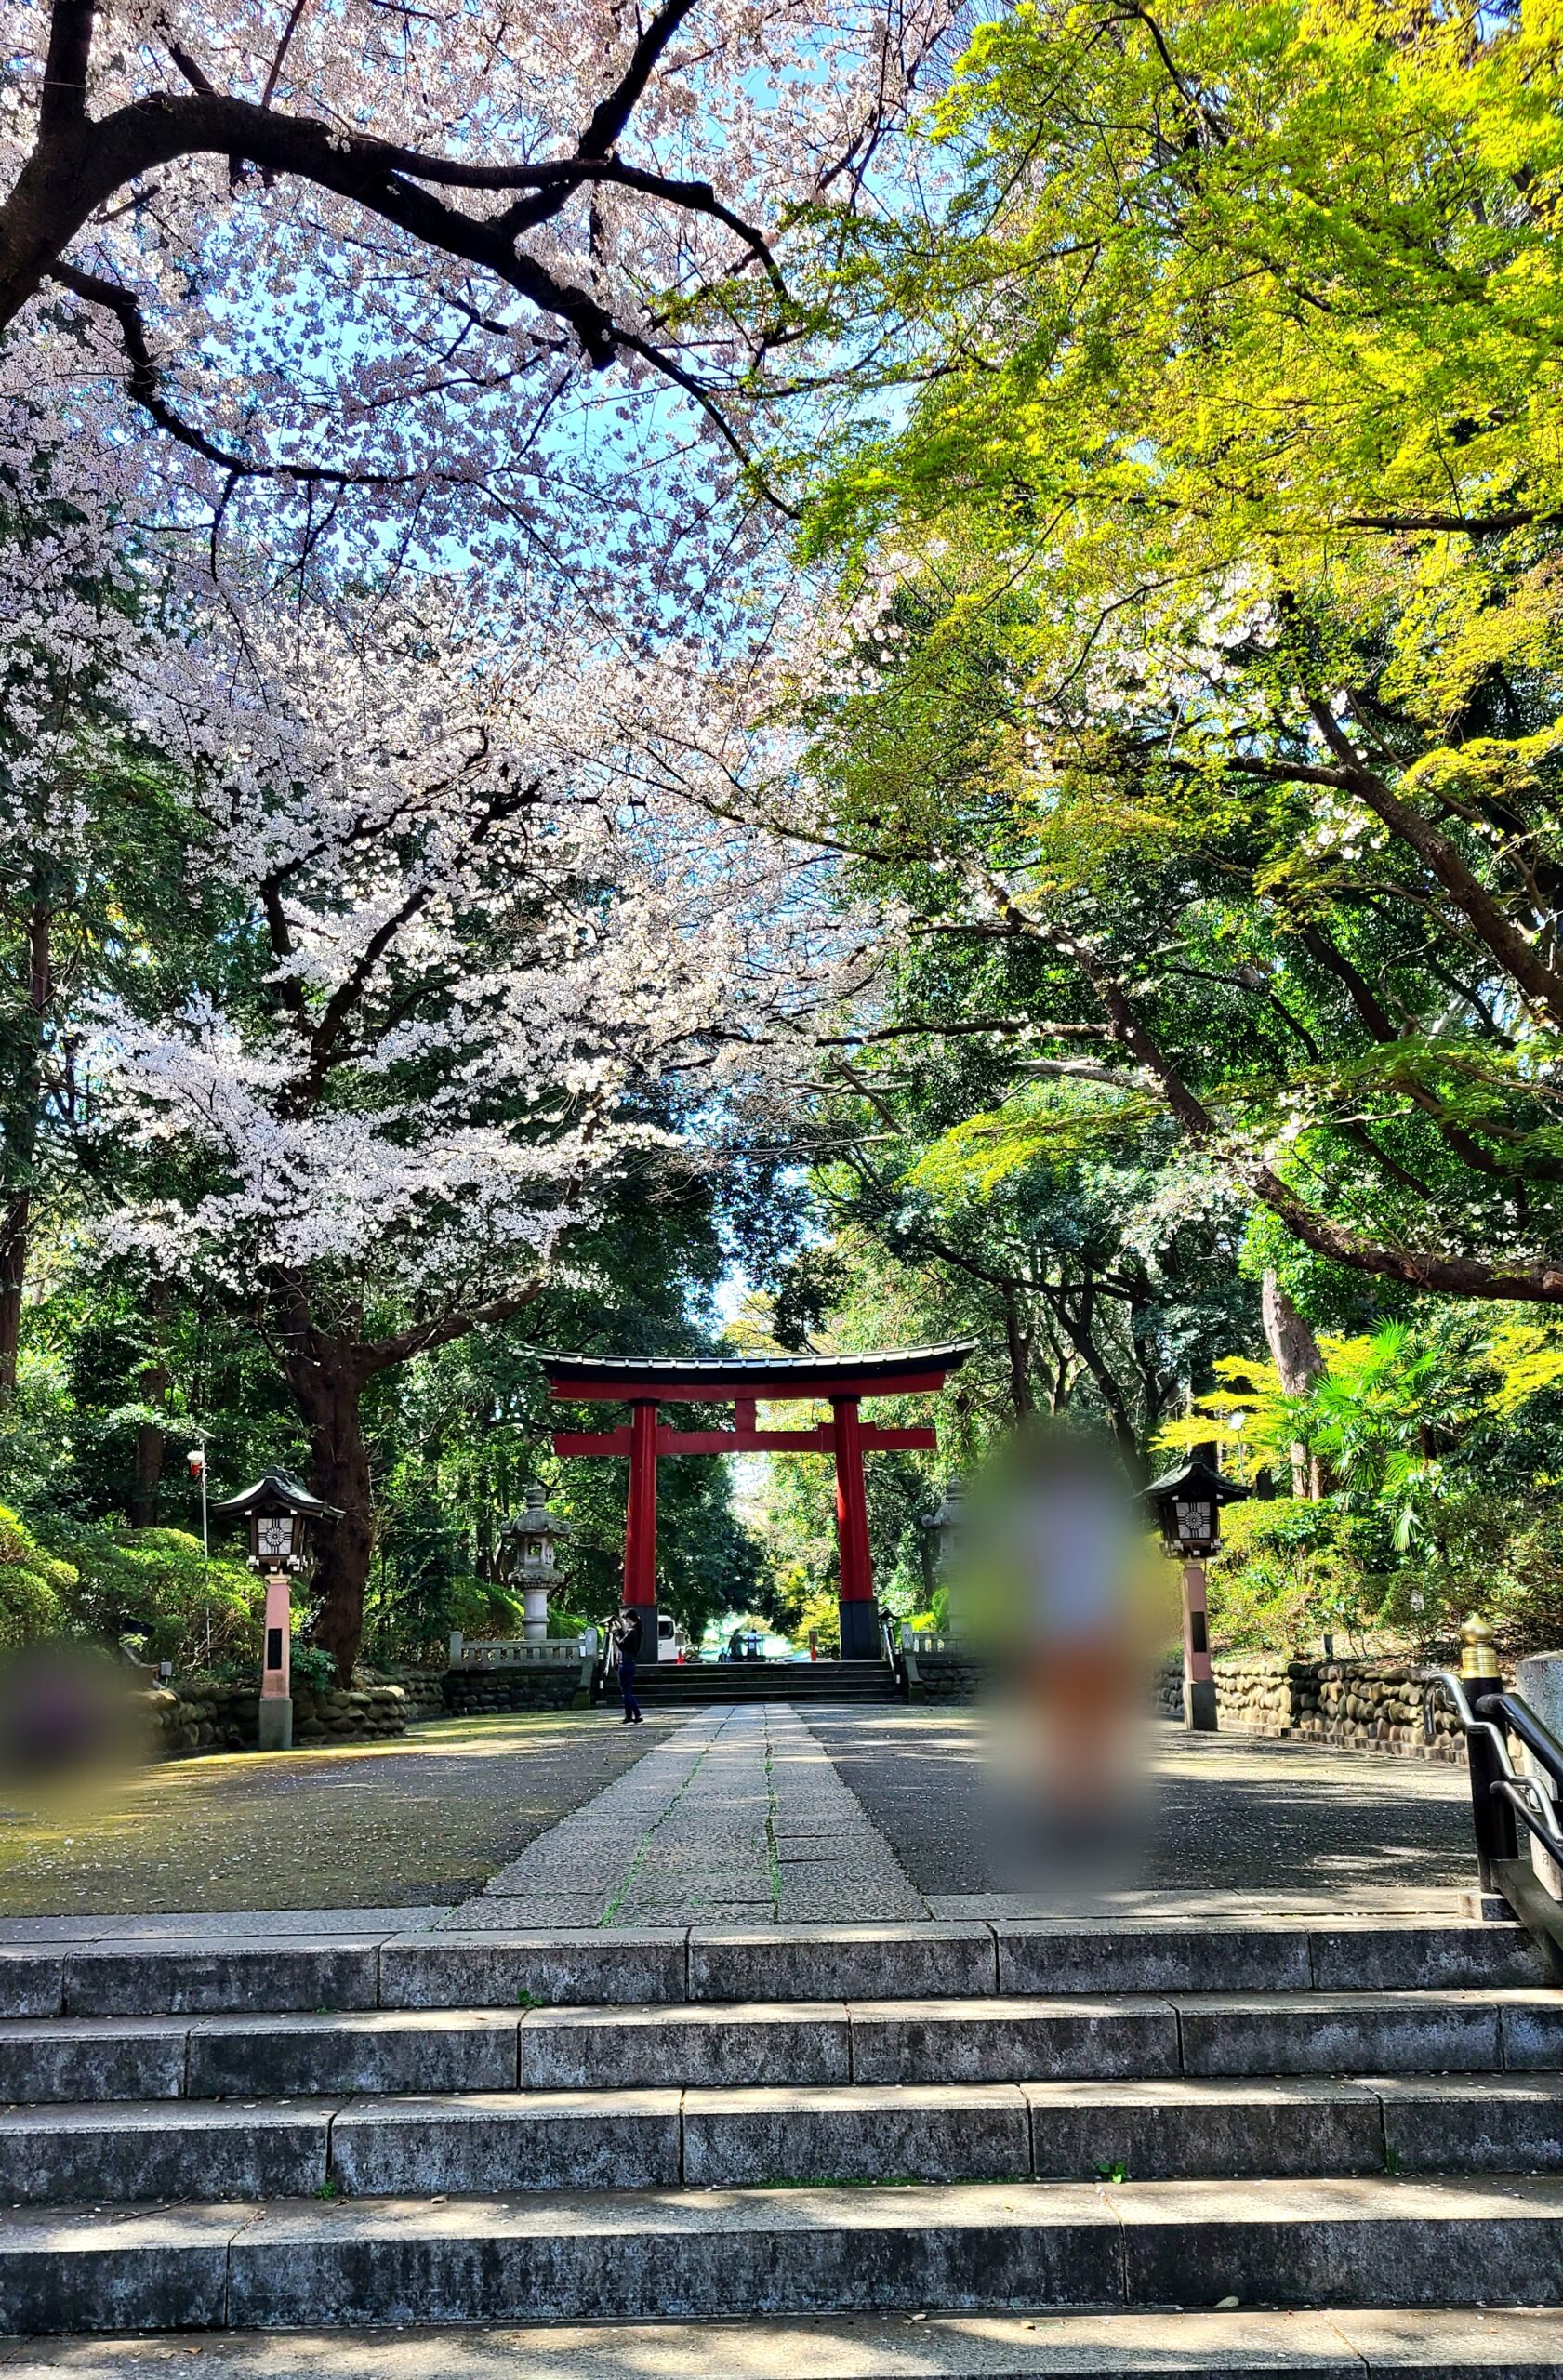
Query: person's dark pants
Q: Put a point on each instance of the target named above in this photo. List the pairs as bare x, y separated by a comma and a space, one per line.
627, 1687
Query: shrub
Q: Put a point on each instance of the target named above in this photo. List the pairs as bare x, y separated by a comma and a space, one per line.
155, 1583
37, 1588
1289, 1570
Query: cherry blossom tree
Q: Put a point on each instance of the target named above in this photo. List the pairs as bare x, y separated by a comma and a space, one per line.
468, 975
90, 826
478, 268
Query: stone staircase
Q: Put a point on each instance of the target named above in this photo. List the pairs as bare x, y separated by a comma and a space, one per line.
998, 2126
683, 1684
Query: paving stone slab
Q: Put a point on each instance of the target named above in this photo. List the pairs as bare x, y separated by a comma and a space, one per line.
1376, 2242
942, 2347
557, 1969
1532, 2027
1429, 2344
1048, 1956
256, 1924
526, 1912
1368, 1955
204, 1977
490, 2142
1473, 2123
32, 1983
1018, 2041
1183, 2129
818, 1895
840, 1961
854, 2133
152, 2271
73, 2156
686, 2045
1434, 2343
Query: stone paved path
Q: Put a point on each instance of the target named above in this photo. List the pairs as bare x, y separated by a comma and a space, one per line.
738, 1817
724, 1816
1224, 1823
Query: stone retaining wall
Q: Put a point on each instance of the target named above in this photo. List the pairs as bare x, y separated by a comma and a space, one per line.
1354, 1705
189, 1717
949, 1676
423, 1689
550, 1686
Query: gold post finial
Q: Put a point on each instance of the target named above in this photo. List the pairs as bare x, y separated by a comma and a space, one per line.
1477, 1656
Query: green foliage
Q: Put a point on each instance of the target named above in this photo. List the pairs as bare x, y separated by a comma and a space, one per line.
1205, 636
1289, 1570
36, 1586
313, 1667
104, 1583
1436, 1447
154, 1584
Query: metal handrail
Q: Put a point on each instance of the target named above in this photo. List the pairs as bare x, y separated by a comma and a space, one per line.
1494, 1775
1487, 1714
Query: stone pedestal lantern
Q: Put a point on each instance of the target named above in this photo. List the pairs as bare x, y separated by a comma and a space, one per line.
943, 1532
1187, 1503
531, 1539
280, 1513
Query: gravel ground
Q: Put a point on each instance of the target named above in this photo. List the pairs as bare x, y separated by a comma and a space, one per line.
1222, 1812
420, 1820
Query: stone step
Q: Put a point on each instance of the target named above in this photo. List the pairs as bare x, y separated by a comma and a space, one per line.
670, 1688
477, 2143
697, 2255
1354, 2343
504, 1967
72, 2058
703, 2045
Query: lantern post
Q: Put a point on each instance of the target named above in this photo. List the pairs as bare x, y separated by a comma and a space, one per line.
1188, 1504
279, 1512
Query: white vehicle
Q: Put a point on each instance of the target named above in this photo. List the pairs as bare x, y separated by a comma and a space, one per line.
668, 1646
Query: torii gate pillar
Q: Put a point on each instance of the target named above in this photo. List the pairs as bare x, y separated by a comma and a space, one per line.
859, 1625
640, 1524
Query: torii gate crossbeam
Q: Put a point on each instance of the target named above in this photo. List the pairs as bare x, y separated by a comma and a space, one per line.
743, 1381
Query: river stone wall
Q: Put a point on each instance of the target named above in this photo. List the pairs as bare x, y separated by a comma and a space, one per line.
553, 1686
195, 1717
1354, 1705
423, 1689
951, 1676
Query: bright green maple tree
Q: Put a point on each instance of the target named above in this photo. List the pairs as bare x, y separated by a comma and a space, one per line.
1204, 600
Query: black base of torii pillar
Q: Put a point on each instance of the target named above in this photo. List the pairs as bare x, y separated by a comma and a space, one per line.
742, 1382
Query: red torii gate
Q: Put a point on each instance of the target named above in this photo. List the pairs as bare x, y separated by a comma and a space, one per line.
742, 1382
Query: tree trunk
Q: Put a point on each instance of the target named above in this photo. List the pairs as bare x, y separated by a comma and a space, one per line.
152, 1439
330, 1392
1081, 1325
1294, 1353
1019, 1346
21, 1145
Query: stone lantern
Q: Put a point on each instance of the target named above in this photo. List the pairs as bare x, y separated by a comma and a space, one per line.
1188, 1504
531, 1537
943, 1532
280, 1515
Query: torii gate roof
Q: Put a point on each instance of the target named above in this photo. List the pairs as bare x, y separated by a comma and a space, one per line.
900, 1372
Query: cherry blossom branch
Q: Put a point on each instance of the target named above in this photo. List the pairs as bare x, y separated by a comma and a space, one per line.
144, 386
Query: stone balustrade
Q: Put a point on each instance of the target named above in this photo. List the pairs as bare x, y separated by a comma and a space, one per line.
515, 1652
